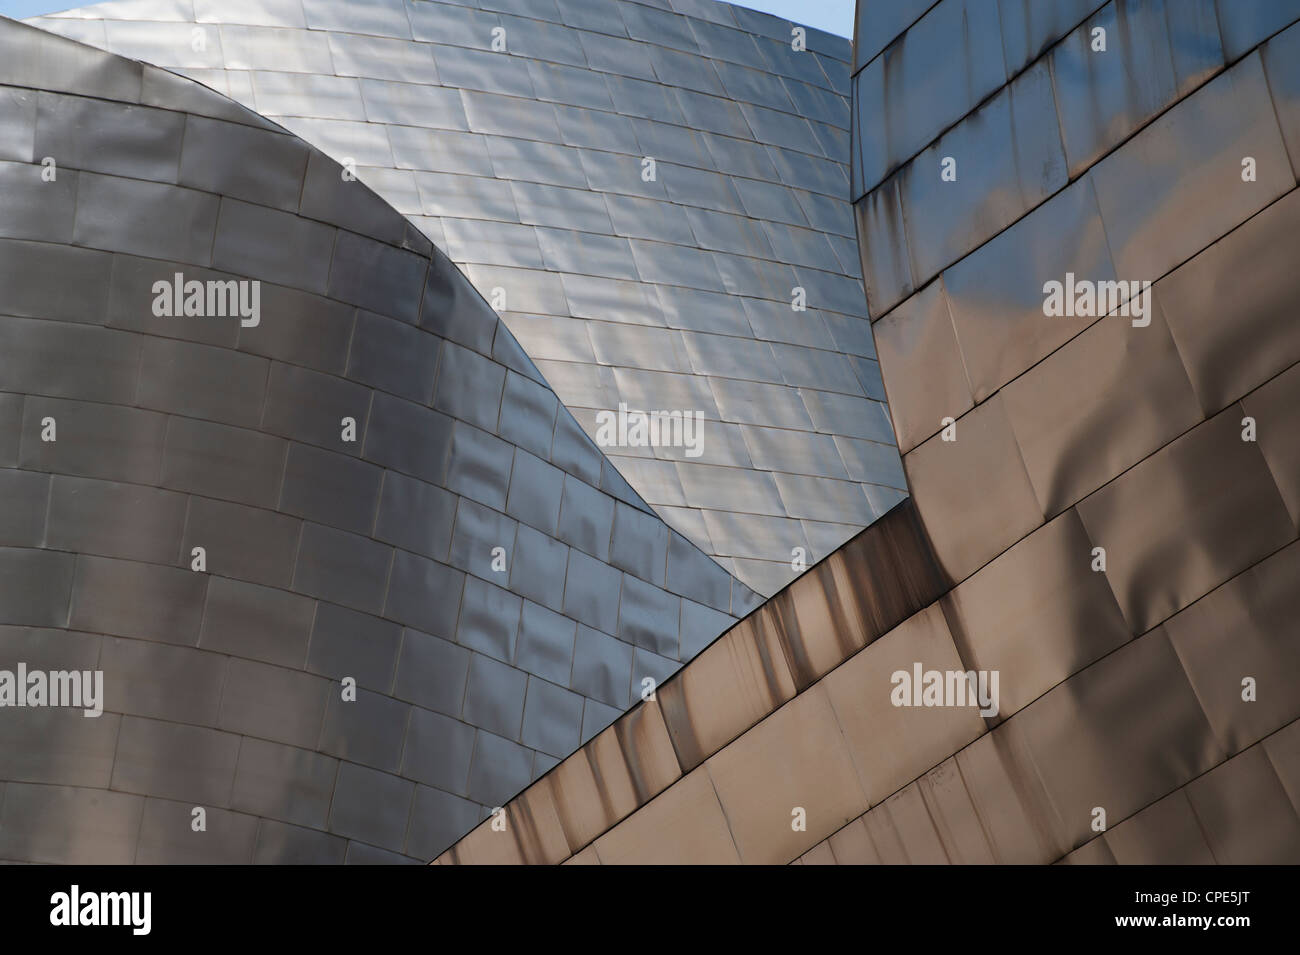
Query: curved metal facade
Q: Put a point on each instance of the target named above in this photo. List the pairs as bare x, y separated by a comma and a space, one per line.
516, 135
360, 476
1104, 500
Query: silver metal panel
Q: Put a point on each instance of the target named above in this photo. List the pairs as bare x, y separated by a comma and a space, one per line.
1155, 220
1247, 23
432, 673
994, 186
95, 440
552, 720
113, 520
162, 220
413, 580
371, 805
111, 138
602, 667
346, 643
500, 767
538, 569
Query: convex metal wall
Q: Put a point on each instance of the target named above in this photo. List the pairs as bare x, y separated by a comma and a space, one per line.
362, 478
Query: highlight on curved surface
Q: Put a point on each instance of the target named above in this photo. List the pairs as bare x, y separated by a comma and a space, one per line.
643, 190
350, 574
1101, 532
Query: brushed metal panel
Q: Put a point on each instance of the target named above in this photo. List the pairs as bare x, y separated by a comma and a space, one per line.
995, 295
219, 461
259, 623
114, 520
371, 805
1246, 23
1037, 614
1073, 443
489, 621
393, 356
202, 381
431, 672
285, 783
684, 824
1186, 519
269, 702
345, 643
1166, 832
282, 844
795, 758
114, 138
368, 730
167, 836
175, 761
973, 494
499, 770
891, 745
1225, 360
1159, 214
128, 599
1101, 104
1094, 743
1245, 813
1258, 608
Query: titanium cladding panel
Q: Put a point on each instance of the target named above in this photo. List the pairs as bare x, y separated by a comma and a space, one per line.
651, 195
1104, 491
350, 573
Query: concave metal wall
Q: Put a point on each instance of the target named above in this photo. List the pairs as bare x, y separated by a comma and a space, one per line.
523, 160
326, 559
1149, 710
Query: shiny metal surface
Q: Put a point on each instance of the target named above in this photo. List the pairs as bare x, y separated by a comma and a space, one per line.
327, 556
1113, 525
746, 205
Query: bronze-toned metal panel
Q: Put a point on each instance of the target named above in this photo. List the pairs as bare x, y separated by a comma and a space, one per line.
1245, 813
1186, 519
1164, 833
1276, 410
925, 379
1238, 646
892, 745
1248, 275
1118, 735
683, 824
1098, 406
1017, 815
730, 686
995, 294
796, 759
973, 493
1037, 614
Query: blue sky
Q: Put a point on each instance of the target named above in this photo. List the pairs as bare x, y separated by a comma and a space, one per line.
834, 16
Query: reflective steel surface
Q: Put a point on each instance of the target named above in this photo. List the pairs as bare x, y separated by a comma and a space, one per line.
1105, 497
651, 195
351, 573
